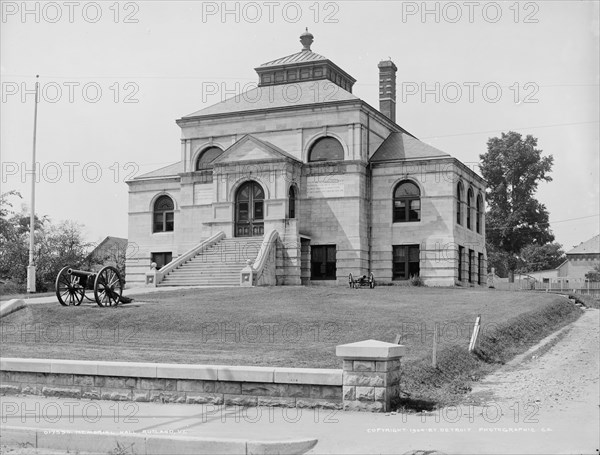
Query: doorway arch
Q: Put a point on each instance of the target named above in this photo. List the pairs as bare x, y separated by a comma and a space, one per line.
249, 210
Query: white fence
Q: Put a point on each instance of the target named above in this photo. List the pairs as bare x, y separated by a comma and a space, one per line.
560, 285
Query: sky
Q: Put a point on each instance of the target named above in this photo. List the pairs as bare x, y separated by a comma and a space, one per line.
114, 77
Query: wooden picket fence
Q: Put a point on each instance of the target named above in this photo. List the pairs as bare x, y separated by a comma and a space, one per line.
562, 286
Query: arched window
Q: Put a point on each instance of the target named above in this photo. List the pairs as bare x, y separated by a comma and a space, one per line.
292, 203
407, 202
459, 196
479, 219
469, 207
326, 149
163, 214
207, 157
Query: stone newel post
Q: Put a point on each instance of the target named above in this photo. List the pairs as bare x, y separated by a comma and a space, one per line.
371, 377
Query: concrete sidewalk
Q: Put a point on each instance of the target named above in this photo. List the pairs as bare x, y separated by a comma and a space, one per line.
97, 426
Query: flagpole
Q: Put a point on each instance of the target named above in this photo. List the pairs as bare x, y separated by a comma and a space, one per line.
31, 266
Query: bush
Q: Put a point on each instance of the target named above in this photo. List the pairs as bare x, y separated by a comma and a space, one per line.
416, 280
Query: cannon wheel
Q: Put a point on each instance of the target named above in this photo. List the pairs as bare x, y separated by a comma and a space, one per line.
68, 289
371, 280
108, 287
351, 281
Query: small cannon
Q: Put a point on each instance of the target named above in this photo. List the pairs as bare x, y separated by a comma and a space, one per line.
72, 284
358, 282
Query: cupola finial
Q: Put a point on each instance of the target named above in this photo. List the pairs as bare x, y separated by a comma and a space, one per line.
306, 39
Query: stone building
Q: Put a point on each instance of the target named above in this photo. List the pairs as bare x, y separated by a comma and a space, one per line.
343, 186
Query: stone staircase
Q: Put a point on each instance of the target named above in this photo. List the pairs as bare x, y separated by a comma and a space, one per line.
219, 265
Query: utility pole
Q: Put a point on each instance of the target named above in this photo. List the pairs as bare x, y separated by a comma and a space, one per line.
31, 266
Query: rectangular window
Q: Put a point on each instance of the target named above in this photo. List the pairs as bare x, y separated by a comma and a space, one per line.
471, 260
163, 222
158, 222
461, 252
415, 210
323, 262
169, 218
405, 261
480, 271
161, 259
258, 210
243, 211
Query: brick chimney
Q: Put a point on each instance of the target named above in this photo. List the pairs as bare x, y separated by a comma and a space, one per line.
387, 89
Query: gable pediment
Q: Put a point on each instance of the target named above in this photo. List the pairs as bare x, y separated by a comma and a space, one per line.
249, 148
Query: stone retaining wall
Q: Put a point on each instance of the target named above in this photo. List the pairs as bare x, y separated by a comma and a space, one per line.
370, 381
173, 383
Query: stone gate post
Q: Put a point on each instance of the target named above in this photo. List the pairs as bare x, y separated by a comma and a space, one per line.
371, 374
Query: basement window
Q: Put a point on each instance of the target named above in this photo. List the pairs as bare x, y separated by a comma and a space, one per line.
161, 259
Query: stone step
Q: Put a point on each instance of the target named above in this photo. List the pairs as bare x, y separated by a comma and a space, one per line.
219, 265
208, 272
206, 281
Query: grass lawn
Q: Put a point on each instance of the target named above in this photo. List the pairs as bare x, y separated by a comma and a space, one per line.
278, 326
299, 327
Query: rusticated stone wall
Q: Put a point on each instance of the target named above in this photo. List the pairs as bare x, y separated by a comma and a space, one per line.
173, 383
120, 388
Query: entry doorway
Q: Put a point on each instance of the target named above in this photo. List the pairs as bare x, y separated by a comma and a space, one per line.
249, 210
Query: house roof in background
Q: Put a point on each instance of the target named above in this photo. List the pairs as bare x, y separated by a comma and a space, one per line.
591, 246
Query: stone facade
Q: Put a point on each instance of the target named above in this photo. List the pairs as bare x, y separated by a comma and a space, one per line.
342, 210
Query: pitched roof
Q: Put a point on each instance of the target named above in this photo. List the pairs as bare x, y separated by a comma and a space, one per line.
298, 57
401, 146
591, 246
274, 96
172, 170
110, 243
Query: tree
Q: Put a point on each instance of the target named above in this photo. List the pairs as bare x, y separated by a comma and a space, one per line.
13, 244
535, 257
513, 168
58, 246
593, 275
55, 246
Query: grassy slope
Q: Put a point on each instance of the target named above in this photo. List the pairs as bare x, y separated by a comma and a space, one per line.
297, 327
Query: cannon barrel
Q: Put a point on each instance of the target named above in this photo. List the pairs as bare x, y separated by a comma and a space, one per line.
79, 273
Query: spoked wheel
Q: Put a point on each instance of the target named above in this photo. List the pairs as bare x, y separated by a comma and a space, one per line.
108, 287
68, 290
351, 281
371, 280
